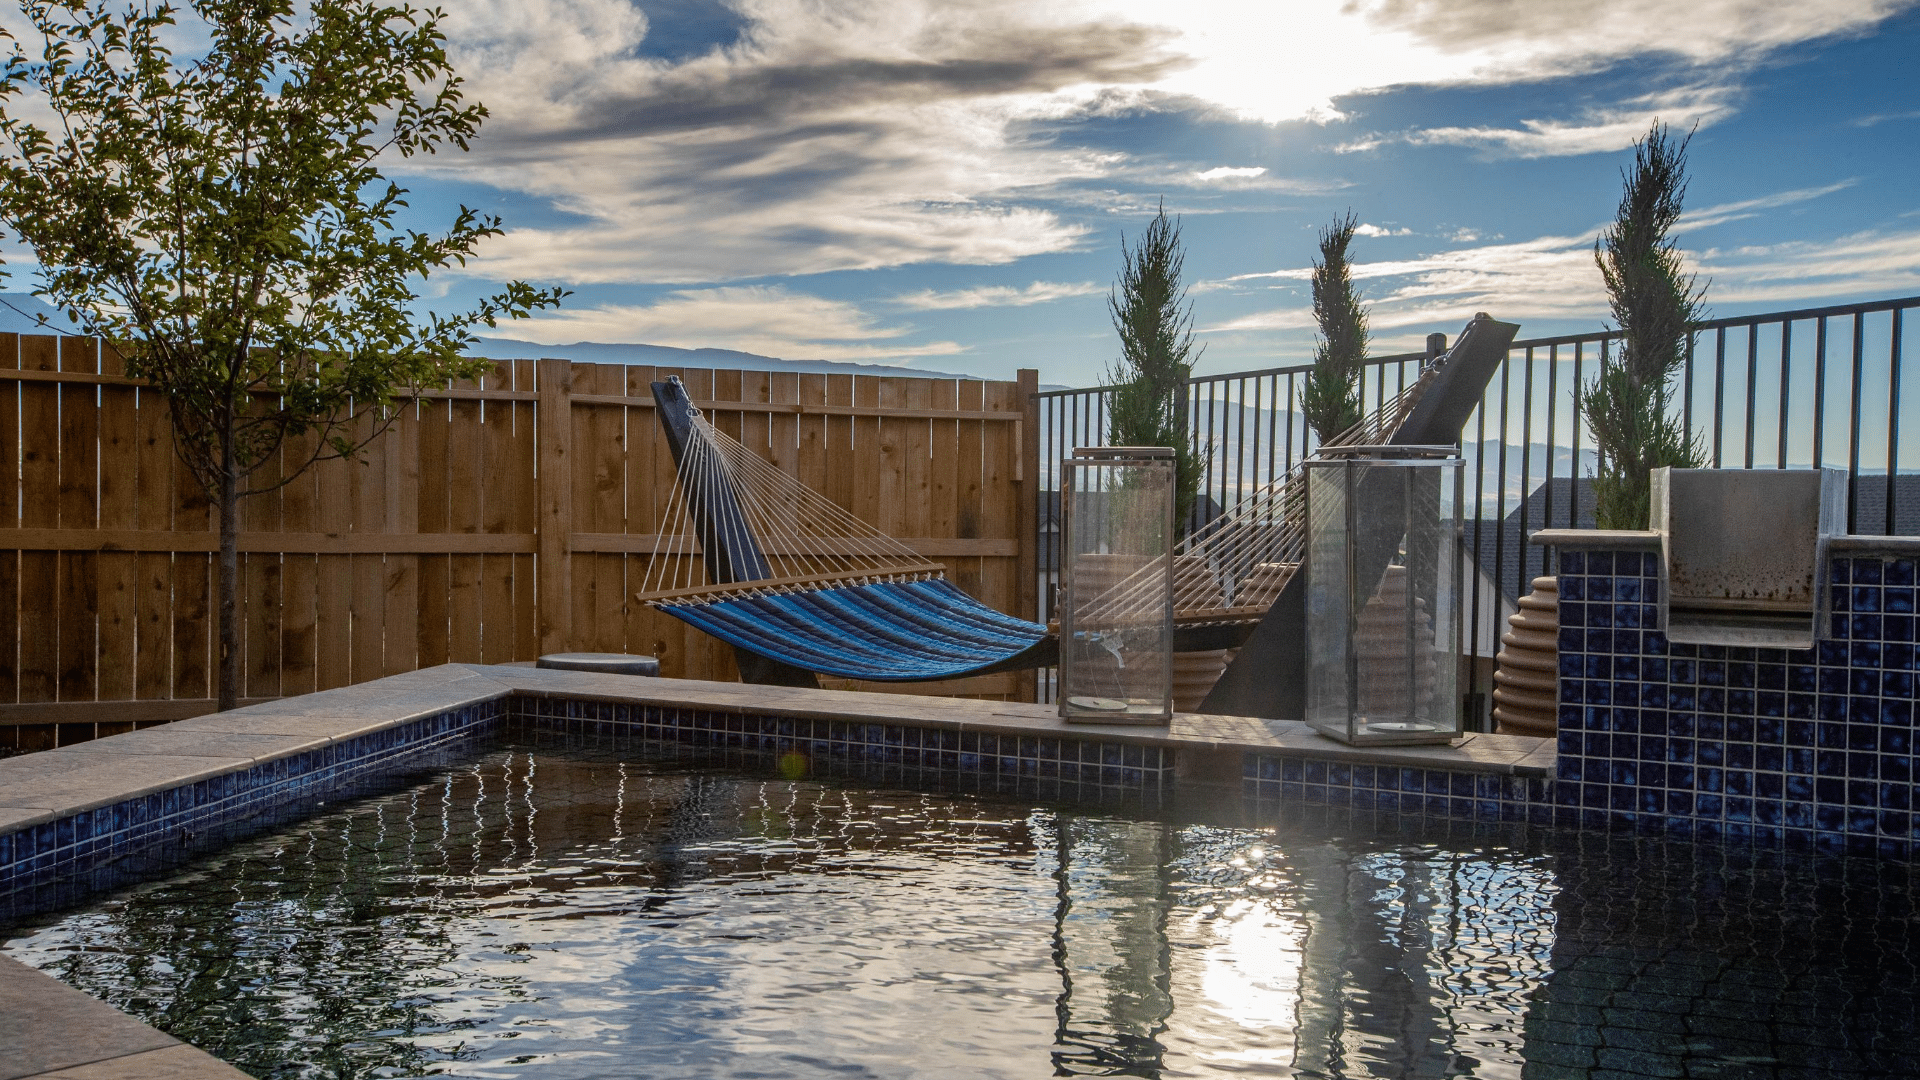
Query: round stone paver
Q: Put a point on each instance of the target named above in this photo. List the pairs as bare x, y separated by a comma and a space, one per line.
609, 663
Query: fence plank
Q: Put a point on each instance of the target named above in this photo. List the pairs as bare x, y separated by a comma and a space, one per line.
526, 617
435, 502
641, 626
400, 623
505, 505
299, 574
9, 522
969, 486
556, 505
80, 572
192, 628
601, 443
466, 480
118, 588
38, 677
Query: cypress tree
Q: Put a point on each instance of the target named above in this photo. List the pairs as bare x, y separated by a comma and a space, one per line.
1653, 301
1330, 394
1148, 406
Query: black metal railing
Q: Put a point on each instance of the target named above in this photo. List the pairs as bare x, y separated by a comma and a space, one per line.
1810, 387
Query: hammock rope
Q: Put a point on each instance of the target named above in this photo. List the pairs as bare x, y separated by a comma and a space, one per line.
801, 536
1232, 567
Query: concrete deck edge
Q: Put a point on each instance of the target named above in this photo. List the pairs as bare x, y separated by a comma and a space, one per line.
1881, 545
1648, 540
1476, 752
1598, 539
77, 1036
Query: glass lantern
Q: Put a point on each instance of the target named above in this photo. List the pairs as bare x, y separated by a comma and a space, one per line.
1383, 583
1116, 589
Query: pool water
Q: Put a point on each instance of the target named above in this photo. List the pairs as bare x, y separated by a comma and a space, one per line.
551, 913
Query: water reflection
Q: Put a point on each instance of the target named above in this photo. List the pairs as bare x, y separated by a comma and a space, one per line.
574, 914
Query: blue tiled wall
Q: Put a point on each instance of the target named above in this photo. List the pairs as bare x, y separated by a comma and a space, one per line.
1070, 769
1805, 747
52, 864
1273, 781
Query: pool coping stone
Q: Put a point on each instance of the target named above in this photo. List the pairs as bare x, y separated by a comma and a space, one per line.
49, 1030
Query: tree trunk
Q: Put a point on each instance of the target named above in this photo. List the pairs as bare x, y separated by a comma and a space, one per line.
229, 581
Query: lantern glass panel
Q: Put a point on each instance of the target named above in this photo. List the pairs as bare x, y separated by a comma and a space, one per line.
1116, 602
1383, 582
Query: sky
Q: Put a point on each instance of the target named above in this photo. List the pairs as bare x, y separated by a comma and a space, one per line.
947, 184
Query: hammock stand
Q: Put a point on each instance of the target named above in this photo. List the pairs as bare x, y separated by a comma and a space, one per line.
799, 587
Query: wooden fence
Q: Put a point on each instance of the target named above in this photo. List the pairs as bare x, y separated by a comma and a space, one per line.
494, 522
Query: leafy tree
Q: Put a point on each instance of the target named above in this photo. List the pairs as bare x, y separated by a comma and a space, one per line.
1653, 300
1150, 311
1330, 393
223, 222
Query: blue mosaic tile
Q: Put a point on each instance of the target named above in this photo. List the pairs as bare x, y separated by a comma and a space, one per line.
1811, 747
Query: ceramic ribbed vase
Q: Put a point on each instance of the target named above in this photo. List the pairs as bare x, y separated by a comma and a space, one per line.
1383, 650
1195, 672
1526, 692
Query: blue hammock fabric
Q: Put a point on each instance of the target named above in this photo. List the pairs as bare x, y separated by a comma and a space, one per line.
902, 631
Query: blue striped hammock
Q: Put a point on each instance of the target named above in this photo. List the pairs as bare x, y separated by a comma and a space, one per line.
885, 631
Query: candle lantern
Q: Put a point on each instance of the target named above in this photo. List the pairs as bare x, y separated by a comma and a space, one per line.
1116, 590
1383, 580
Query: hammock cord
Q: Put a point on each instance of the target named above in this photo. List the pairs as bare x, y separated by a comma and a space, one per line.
1231, 568
1242, 558
752, 505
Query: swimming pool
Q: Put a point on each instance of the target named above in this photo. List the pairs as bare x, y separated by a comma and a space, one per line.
550, 910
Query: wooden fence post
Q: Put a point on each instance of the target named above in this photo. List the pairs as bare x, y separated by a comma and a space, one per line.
1027, 479
554, 379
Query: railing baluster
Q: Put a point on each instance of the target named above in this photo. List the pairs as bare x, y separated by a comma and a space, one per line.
1526, 460
1786, 383
1719, 390
1893, 421
1819, 390
1573, 513
1553, 409
1753, 380
1500, 496
1853, 433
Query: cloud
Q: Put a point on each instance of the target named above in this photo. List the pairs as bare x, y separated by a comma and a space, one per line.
1229, 172
1593, 131
1291, 61
1545, 37
1553, 277
1040, 292
1746, 208
1881, 118
875, 133
858, 135
1368, 229
769, 320
1872, 261
1547, 277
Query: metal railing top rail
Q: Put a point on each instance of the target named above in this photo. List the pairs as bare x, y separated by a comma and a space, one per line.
1261, 373
1588, 337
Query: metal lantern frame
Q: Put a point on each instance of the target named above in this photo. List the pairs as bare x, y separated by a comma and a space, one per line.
1081, 696
1354, 496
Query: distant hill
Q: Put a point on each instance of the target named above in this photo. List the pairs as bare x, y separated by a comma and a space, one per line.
597, 352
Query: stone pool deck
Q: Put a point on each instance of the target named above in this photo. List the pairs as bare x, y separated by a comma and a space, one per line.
50, 1031
91, 817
